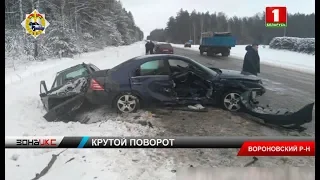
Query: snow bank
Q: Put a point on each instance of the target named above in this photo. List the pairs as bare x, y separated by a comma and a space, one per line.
274, 57
23, 117
303, 45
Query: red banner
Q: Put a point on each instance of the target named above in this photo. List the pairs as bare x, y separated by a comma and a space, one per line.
277, 148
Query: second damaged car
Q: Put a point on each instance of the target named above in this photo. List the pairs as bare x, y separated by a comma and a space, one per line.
68, 91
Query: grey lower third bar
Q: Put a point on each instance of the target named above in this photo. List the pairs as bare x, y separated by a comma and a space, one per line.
181, 142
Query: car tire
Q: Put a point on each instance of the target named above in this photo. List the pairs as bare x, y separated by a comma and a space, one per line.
126, 102
231, 101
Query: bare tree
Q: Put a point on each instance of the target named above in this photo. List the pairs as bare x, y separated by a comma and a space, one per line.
194, 32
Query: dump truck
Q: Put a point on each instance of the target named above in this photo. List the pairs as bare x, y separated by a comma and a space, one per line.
214, 43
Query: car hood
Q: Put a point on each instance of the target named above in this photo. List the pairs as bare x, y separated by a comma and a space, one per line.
231, 74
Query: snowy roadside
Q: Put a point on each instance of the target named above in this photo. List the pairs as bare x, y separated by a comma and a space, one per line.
23, 117
279, 58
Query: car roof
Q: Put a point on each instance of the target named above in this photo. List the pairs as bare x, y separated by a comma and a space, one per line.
163, 43
144, 58
72, 67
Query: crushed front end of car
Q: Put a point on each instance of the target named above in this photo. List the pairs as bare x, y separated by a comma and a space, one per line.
279, 117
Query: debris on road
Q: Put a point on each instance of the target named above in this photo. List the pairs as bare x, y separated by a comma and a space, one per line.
71, 159
47, 168
255, 159
189, 108
281, 117
196, 107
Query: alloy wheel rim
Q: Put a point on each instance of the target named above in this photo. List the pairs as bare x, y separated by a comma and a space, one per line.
232, 101
127, 103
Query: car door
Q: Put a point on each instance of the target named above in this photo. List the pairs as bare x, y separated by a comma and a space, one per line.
44, 94
190, 80
59, 104
152, 81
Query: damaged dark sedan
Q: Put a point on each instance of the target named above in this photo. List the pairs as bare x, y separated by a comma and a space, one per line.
146, 81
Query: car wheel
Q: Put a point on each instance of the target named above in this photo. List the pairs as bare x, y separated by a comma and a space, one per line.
127, 103
231, 101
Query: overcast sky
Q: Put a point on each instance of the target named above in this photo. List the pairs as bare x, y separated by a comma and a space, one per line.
152, 14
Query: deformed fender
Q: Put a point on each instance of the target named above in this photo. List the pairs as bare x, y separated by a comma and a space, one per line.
279, 117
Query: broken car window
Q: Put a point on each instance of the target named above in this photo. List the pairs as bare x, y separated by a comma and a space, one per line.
72, 73
155, 67
79, 72
177, 63
178, 66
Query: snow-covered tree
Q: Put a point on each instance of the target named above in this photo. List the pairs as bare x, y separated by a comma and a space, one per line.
75, 26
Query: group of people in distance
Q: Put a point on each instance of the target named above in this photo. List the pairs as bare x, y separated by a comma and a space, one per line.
149, 47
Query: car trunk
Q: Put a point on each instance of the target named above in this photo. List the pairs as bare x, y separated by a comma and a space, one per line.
165, 49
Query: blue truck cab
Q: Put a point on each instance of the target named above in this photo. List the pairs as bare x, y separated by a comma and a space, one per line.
215, 43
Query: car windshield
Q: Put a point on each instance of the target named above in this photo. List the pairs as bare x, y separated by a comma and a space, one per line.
71, 73
208, 70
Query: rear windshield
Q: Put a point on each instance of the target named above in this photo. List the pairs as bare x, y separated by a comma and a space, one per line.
165, 46
71, 73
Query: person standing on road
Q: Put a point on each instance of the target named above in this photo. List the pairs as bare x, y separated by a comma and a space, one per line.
151, 47
147, 47
251, 62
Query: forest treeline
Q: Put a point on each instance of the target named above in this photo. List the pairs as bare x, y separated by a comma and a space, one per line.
188, 26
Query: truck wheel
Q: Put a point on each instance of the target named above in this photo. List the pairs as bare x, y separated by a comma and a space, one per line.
225, 54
